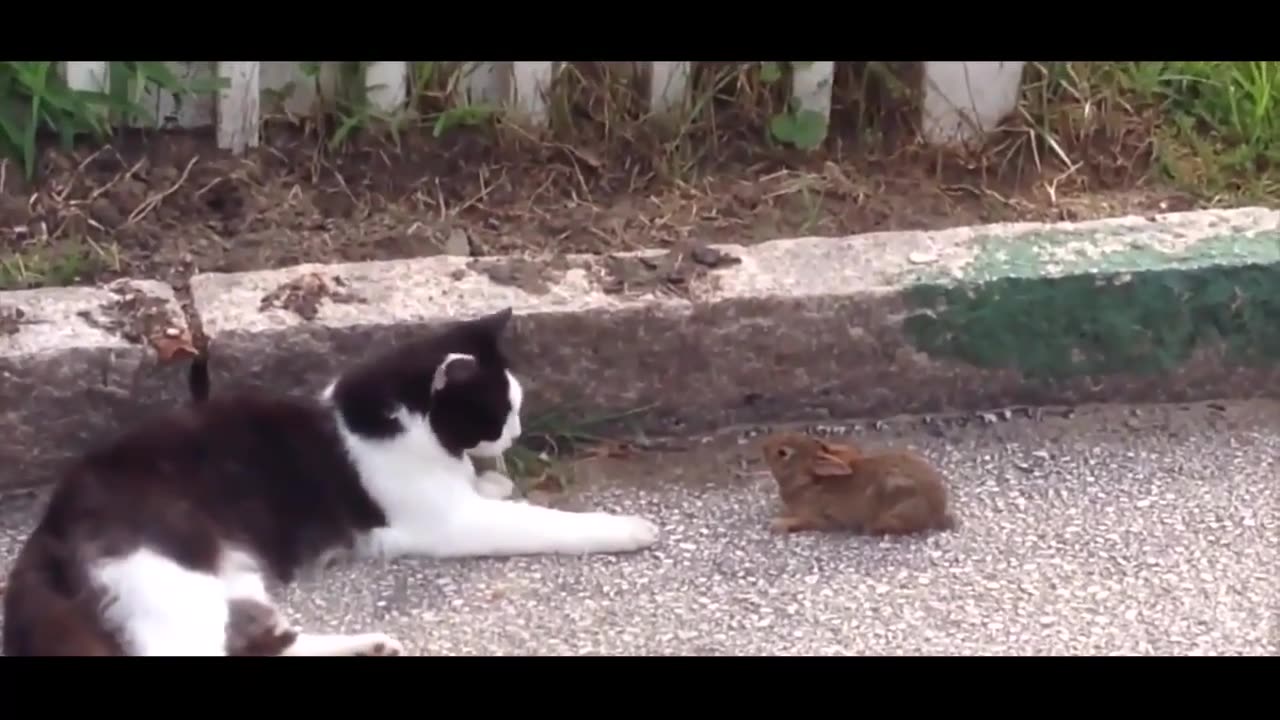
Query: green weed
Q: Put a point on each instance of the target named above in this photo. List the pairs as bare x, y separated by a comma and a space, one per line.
50, 268
349, 110
550, 440
794, 125
35, 99
1226, 114
1209, 127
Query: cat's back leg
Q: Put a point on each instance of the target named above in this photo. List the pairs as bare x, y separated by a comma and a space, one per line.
158, 607
255, 626
258, 628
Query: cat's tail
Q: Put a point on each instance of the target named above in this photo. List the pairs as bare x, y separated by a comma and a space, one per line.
198, 379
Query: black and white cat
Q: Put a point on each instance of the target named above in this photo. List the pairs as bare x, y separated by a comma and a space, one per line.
162, 542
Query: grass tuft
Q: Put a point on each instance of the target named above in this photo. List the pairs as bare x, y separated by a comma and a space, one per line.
543, 457
1209, 128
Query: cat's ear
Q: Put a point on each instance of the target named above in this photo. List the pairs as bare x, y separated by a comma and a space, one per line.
455, 369
493, 324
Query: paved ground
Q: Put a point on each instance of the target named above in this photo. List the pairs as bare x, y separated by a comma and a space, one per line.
1118, 530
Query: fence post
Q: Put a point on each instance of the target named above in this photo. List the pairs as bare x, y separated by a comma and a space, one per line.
482, 83
238, 113
668, 86
811, 87
963, 101
387, 85
530, 83
90, 76
276, 77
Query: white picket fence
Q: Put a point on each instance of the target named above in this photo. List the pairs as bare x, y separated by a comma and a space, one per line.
962, 100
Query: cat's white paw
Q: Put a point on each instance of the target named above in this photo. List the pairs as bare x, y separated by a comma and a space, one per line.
378, 644
494, 485
629, 533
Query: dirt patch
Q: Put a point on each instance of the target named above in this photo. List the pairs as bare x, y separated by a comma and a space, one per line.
533, 276
672, 272
12, 319
303, 295
168, 205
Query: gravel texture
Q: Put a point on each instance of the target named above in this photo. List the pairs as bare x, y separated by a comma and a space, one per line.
1116, 530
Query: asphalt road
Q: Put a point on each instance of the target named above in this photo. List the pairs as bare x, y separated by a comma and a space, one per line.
1118, 530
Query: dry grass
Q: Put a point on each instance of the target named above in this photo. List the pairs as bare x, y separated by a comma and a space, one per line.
1079, 129
1087, 139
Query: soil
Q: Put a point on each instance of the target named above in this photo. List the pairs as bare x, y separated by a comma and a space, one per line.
671, 272
302, 296
11, 320
166, 206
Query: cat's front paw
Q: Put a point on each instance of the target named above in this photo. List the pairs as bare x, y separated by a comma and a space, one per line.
494, 485
378, 645
631, 533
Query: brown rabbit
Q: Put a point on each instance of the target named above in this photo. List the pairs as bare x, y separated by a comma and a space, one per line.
833, 486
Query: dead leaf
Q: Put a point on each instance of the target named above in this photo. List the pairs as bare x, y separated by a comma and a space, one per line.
546, 482
610, 449
174, 348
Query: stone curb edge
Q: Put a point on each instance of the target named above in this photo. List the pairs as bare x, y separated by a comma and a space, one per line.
1175, 307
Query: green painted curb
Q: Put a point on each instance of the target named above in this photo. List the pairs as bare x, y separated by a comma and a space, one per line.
1058, 304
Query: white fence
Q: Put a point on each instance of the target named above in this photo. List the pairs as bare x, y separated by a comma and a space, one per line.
962, 100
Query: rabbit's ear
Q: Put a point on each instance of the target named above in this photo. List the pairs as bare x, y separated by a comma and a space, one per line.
827, 465
838, 450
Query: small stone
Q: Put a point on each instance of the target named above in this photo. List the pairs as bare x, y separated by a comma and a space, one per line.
920, 257
172, 332
458, 243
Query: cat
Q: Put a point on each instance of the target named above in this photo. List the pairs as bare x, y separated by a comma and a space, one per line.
163, 540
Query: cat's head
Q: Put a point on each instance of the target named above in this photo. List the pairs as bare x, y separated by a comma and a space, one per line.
454, 385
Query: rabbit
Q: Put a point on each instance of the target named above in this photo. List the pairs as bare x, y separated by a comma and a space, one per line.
834, 486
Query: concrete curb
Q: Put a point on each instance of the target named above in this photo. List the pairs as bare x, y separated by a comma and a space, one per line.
1169, 308
78, 362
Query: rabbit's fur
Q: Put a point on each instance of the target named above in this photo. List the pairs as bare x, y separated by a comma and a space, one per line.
836, 486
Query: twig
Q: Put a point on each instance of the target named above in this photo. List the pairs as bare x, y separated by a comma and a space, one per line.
209, 186
145, 208
444, 208
1052, 186
62, 196
343, 182
479, 196
119, 176
582, 181
534, 196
